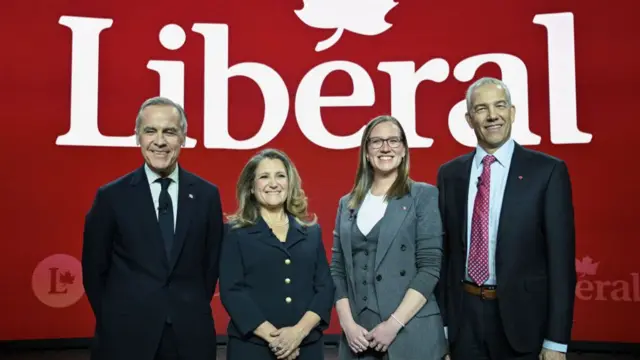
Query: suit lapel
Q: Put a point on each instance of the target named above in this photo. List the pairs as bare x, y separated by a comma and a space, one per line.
186, 202
462, 195
347, 222
394, 216
144, 208
296, 233
516, 184
265, 235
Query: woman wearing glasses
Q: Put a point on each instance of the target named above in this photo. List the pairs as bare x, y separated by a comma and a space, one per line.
386, 255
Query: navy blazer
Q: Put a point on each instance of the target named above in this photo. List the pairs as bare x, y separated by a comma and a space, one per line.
535, 252
133, 286
262, 279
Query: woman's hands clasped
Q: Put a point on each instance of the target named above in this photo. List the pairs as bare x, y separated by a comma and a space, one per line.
381, 337
356, 337
286, 341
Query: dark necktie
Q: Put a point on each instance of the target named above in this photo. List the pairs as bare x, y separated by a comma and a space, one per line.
165, 215
479, 252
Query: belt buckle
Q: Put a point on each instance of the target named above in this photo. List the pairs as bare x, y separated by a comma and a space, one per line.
485, 289
482, 296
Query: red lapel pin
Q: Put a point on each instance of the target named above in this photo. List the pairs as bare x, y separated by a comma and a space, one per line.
520, 177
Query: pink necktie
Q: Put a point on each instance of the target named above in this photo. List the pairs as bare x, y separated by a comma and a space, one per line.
479, 252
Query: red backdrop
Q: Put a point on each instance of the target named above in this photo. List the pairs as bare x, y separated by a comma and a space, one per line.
75, 72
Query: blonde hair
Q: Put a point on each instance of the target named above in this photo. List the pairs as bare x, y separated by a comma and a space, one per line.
248, 209
364, 176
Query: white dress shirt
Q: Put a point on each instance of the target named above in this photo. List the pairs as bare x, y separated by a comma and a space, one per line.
156, 188
499, 172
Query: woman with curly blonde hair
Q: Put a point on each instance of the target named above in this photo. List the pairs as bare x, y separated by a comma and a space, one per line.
274, 275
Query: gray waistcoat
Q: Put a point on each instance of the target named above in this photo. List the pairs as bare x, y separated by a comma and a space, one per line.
364, 257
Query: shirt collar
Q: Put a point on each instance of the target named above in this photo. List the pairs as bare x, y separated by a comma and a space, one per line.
503, 154
152, 176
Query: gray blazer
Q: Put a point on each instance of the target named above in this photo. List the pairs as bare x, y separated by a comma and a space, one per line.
409, 256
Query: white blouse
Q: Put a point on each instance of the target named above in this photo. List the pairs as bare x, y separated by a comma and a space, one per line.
371, 211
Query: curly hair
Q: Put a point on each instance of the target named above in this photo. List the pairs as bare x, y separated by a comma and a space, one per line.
248, 209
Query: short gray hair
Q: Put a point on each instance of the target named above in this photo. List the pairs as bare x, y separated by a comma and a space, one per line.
487, 81
160, 100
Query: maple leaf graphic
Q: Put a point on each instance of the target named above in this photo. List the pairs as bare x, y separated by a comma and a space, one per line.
66, 278
586, 266
364, 17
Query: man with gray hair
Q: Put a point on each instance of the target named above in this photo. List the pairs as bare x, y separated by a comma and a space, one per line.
150, 250
508, 277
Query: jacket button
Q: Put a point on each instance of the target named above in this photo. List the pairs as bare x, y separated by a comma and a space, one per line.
287, 300
403, 247
402, 272
287, 261
379, 277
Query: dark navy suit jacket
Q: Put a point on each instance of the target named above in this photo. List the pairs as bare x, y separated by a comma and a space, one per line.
535, 253
262, 279
131, 283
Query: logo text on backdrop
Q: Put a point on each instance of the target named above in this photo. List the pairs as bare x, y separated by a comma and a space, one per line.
404, 80
627, 290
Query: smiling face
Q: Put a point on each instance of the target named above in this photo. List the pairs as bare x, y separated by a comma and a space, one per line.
271, 183
385, 148
491, 116
160, 138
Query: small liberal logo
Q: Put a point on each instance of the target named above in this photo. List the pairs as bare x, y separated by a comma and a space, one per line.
586, 266
621, 288
57, 281
364, 17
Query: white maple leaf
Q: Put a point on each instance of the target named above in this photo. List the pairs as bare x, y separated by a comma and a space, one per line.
364, 17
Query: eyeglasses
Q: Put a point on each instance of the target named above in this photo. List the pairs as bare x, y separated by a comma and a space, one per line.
377, 142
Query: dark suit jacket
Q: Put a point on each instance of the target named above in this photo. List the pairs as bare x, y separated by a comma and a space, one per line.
133, 287
535, 248
254, 267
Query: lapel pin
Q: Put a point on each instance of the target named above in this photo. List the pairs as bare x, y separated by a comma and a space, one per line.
190, 196
404, 208
520, 177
